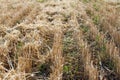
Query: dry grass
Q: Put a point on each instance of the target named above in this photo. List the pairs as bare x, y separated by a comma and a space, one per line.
59, 40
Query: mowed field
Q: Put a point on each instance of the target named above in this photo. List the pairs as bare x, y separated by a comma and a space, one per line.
59, 40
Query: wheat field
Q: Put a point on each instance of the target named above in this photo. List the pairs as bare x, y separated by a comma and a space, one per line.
59, 40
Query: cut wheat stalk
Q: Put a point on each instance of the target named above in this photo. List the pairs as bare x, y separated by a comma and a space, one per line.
19, 15
56, 56
6, 14
93, 29
32, 15
86, 53
112, 31
3, 53
11, 43
116, 57
14, 75
113, 51
109, 18
90, 70
95, 32
30, 50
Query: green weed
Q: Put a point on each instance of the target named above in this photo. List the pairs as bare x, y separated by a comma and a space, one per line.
96, 20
